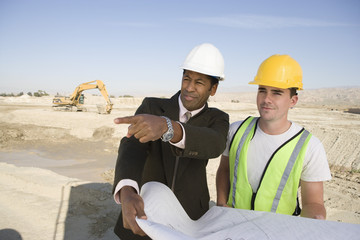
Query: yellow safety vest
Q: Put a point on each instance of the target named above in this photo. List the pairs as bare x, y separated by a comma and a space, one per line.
277, 191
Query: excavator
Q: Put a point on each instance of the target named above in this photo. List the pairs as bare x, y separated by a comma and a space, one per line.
77, 98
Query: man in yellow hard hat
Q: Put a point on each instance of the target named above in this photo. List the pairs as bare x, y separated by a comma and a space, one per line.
267, 158
170, 141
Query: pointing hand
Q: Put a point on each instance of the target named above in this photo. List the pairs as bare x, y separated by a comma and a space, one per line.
144, 127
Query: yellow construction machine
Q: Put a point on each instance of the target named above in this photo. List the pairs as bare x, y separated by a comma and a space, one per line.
77, 98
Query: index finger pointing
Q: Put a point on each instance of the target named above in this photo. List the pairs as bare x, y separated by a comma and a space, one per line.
125, 120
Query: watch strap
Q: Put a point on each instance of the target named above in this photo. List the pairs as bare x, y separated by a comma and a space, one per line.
169, 134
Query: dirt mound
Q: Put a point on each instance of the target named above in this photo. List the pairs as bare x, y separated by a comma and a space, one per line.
103, 133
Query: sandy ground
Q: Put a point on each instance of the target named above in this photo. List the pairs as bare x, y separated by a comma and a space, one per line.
56, 168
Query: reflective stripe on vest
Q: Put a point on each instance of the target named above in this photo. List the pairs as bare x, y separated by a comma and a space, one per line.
288, 169
267, 198
241, 144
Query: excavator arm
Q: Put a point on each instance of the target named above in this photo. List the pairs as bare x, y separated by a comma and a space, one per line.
73, 100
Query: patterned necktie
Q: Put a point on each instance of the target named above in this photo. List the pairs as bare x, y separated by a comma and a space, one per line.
188, 116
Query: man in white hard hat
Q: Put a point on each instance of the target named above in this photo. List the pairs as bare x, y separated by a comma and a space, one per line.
268, 157
170, 141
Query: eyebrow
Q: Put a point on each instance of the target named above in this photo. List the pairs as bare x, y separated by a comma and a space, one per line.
195, 79
273, 90
277, 91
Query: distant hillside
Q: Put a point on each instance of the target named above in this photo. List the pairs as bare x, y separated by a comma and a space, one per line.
331, 97
341, 98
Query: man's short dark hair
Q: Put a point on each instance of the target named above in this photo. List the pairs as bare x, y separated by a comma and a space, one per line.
214, 80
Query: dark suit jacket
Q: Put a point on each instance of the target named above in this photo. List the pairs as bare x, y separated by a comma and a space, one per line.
206, 135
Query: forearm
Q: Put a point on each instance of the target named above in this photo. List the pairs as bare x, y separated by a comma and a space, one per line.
313, 210
222, 192
312, 200
209, 141
130, 161
222, 182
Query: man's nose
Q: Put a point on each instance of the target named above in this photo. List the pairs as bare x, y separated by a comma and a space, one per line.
190, 86
267, 97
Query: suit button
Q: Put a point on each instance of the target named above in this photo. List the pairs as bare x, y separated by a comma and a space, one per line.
193, 153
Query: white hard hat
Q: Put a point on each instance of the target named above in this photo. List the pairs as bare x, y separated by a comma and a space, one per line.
205, 59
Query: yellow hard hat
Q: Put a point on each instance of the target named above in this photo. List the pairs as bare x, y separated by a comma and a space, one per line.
280, 71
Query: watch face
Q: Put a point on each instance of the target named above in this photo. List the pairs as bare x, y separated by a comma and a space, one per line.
167, 136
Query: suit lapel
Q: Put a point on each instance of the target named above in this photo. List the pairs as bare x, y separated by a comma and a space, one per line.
171, 108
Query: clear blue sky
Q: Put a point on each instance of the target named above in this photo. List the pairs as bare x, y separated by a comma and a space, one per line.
138, 45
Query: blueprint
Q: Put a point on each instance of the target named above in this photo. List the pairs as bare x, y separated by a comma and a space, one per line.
168, 220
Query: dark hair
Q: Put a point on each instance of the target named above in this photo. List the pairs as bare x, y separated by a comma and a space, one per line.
214, 80
293, 92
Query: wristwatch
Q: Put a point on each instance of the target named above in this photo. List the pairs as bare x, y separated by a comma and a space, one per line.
169, 134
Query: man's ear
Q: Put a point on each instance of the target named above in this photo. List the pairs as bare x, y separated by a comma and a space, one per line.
213, 89
294, 99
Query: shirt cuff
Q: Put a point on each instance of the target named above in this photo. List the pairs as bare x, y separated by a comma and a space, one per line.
121, 184
181, 143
